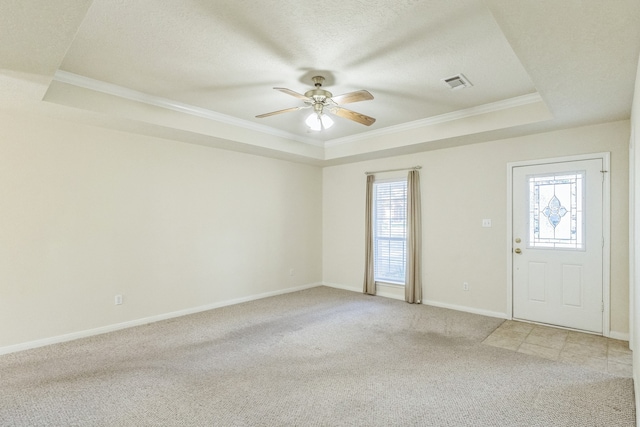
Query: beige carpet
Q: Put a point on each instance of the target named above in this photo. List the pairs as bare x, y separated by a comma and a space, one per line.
320, 357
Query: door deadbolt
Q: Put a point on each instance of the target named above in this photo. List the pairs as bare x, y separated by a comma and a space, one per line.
518, 240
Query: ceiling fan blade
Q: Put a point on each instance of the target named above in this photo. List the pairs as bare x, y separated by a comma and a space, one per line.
286, 110
292, 93
352, 115
359, 95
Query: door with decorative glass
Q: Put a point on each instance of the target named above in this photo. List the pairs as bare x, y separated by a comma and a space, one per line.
558, 244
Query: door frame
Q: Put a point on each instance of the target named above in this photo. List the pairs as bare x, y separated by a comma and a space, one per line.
606, 229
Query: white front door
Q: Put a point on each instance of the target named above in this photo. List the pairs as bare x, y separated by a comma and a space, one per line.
558, 244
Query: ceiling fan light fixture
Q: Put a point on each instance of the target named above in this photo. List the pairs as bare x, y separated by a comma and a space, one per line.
318, 122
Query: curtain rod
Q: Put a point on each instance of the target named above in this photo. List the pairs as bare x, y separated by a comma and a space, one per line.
394, 170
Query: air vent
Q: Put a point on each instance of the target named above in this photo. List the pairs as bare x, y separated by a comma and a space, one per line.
457, 82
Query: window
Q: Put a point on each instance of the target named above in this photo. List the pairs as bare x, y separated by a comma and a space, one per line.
390, 231
556, 211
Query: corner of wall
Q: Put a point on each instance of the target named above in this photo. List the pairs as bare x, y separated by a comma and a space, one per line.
634, 229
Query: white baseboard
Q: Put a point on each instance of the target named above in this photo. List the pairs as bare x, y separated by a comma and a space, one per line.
622, 336
466, 309
343, 287
146, 320
382, 293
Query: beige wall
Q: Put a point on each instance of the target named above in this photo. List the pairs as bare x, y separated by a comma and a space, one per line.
461, 186
88, 213
634, 270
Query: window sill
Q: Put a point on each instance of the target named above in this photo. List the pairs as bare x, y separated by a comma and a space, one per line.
390, 284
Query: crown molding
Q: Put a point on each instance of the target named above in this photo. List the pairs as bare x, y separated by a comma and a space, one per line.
442, 118
133, 95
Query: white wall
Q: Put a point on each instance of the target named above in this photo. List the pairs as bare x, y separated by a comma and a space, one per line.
461, 186
87, 213
634, 270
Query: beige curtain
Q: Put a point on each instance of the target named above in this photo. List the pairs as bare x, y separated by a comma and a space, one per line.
369, 286
413, 278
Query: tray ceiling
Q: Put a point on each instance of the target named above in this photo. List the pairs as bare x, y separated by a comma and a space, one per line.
200, 71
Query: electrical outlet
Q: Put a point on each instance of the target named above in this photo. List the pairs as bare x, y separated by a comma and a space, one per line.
465, 286
486, 223
118, 299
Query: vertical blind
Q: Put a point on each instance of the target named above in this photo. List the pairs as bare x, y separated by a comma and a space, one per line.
390, 230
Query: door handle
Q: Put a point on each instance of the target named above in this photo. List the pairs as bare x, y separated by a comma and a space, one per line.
517, 250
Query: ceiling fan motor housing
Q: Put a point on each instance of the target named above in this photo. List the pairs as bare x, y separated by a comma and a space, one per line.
318, 95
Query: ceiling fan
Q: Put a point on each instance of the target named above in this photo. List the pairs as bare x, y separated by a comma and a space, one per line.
323, 101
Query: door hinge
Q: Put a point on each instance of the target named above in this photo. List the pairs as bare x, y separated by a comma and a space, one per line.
603, 172
603, 241
602, 307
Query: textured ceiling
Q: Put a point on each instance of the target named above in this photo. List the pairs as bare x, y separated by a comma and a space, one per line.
201, 70
226, 56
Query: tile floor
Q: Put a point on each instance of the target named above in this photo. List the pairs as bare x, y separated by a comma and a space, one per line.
590, 351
